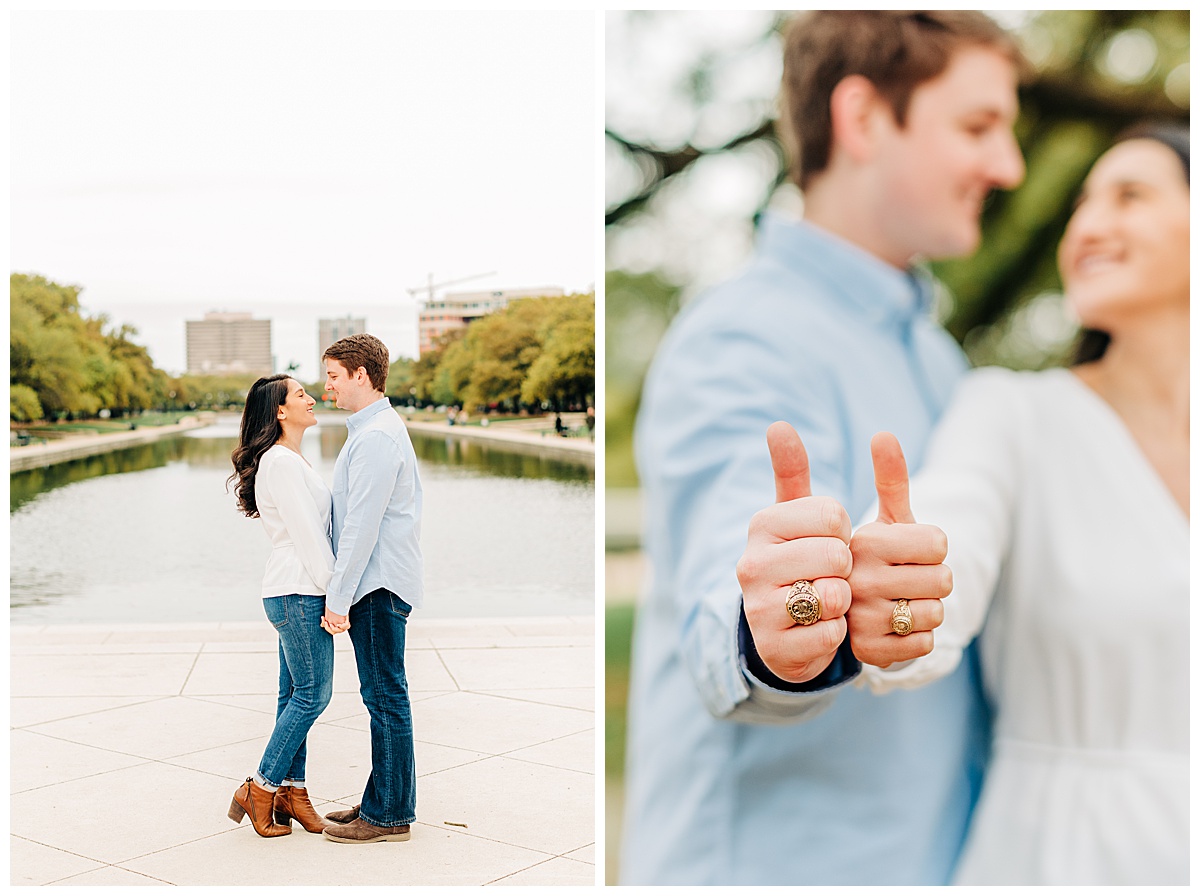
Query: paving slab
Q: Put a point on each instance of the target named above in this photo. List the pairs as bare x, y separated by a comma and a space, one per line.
172, 718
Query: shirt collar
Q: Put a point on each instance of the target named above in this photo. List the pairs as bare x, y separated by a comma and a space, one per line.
862, 281
359, 418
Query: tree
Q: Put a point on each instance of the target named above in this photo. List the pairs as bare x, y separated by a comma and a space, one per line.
400, 382
68, 361
564, 373
23, 404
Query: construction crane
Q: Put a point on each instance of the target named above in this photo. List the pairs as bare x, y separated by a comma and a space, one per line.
428, 289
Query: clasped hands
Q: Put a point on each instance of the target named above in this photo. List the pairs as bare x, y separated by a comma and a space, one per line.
859, 577
333, 623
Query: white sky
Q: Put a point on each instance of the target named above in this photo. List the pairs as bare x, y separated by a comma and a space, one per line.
300, 164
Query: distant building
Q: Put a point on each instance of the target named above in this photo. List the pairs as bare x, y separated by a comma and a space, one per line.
330, 330
229, 342
455, 310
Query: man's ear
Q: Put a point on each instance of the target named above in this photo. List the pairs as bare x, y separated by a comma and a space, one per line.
854, 108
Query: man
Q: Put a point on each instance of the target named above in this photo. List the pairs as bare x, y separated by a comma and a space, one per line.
750, 761
376, 580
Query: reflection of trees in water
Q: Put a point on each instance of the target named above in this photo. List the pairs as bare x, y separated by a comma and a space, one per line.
27, 485
213, 453
486, 459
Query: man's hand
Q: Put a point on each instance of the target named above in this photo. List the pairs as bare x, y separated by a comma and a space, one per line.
333, 623
798, 537
895, 557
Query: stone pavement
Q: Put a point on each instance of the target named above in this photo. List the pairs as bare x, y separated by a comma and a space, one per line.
128, 742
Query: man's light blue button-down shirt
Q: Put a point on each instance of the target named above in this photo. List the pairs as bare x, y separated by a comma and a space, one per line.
376, 511
728, 780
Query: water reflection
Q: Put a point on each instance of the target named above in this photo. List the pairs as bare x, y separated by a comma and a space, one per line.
150, 533
211, 448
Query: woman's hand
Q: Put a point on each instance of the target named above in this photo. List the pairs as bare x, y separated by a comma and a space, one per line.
895, 557
335, 624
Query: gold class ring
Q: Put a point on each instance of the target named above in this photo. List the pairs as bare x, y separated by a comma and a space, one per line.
902, 621
803, 603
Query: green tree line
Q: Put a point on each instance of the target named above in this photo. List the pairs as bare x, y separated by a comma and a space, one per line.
64, 365
535, 352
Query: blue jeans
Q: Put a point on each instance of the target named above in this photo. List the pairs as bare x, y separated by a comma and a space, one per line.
305, 683
377, 625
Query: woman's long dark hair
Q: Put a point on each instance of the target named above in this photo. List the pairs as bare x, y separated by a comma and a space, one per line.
1092, 344
260, 430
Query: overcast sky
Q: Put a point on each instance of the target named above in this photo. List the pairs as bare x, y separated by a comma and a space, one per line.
300, 164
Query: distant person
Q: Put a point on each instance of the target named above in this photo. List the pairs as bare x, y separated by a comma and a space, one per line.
558, 425
1063, 496
591, 421
750, 760
376, 581
276, 484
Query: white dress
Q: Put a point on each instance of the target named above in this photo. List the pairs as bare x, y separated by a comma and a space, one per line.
1065, 541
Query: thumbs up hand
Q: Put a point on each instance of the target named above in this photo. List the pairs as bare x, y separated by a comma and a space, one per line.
895, 557
799, 537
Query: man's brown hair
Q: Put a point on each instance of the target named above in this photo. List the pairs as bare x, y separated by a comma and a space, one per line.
362, 350
895, 51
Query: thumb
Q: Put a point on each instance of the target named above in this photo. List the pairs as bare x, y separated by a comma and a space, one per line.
891, 479
789, 460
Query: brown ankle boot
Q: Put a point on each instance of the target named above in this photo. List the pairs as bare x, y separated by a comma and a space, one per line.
258, 802
293, 802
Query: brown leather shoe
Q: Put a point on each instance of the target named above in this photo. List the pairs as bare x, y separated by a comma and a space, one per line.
293, 802
258, 802
359, 831
341, 816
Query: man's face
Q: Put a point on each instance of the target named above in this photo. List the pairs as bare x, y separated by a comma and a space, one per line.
956, 146
347, 388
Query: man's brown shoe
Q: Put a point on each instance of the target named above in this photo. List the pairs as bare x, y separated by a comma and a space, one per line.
359, 831
257, 801
293, 802
342, 816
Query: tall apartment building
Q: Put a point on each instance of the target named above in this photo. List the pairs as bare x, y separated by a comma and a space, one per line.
455, 310
330, 330
229, 342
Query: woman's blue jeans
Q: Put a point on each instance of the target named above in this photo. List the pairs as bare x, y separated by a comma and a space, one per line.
305, 682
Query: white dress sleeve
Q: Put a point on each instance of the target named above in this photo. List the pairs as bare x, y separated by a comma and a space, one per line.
302, 518
967, 486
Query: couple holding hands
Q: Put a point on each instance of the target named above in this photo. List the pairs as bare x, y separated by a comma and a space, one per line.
346, 560
987, 681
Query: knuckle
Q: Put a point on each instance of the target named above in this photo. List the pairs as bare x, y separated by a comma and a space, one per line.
947, 581
831, 634
757, 525
838, 559
939, 613
744, 569
924, 645
940, 544
832, 516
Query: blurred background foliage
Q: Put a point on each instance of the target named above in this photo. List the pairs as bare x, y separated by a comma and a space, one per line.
692, 157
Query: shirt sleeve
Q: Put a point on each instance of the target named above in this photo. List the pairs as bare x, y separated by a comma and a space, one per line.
302, 519
968, 488
702, 453
374, 465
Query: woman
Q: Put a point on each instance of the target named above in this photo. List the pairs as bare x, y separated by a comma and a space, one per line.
1064, 499
276, 484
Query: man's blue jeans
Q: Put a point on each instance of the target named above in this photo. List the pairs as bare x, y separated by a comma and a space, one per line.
377, 626
305, 683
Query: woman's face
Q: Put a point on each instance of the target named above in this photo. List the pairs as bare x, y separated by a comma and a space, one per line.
298, 409
1125, 251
